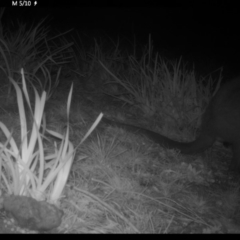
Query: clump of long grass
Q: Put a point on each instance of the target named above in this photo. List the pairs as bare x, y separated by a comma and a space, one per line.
165, 90
29, 169
33, 49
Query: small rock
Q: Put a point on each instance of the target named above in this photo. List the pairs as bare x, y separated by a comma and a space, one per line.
32, 214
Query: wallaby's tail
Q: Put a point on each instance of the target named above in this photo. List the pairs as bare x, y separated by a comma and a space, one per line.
200, 144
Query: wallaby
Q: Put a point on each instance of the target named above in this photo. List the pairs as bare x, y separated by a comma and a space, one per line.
220, 120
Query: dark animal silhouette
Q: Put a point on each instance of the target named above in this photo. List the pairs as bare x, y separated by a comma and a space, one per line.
220, 120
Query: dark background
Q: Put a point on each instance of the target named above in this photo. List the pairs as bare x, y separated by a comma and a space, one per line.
209, 37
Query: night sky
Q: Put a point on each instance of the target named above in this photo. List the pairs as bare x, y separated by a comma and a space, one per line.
207, 37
